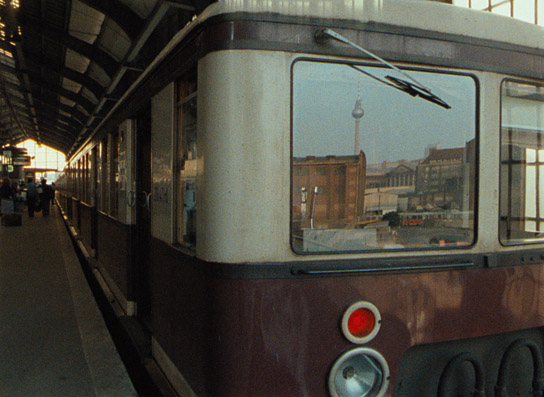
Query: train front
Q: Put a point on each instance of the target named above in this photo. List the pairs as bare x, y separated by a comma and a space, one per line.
388, 177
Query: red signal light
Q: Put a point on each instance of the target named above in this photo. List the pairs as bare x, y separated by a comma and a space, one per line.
361, 322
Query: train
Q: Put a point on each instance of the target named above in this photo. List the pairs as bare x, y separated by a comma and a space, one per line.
327, 198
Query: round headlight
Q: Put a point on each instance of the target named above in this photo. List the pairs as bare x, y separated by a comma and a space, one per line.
360, 372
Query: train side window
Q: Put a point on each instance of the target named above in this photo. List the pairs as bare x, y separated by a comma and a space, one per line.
375, 169
114, 176
85, 160
93, 162
78, 179
186, 161
522, 163
105, 175
99, 178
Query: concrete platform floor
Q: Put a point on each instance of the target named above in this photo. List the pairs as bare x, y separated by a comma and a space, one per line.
53, 339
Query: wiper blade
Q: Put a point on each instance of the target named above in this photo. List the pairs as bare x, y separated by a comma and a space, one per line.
406, 86
414, 89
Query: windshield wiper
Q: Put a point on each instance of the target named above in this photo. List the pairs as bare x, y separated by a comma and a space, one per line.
415, 89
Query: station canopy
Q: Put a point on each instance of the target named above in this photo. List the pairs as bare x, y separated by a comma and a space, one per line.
65, 63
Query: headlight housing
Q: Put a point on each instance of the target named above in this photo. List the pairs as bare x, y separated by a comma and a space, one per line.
360, 372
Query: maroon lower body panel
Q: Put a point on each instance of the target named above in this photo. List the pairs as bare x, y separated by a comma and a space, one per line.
280, 337
114, 251
86, 224
74, 212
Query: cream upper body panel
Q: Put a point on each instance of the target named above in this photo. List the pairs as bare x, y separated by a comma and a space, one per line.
244, 177
245, 161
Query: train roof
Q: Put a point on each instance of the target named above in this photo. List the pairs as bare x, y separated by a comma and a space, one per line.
412, 14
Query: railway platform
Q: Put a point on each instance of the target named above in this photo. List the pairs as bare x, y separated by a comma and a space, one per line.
53, 338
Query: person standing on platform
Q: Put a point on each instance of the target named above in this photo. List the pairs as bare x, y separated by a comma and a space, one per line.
53, 189
6, 197
45, 197
31, 196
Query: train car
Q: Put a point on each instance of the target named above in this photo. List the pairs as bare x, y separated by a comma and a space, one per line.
225, 201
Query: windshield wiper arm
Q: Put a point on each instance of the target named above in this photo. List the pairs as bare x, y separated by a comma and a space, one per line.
414, 89
418, 91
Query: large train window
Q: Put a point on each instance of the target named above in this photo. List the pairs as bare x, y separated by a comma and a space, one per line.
375, 167
99, 179
522, 163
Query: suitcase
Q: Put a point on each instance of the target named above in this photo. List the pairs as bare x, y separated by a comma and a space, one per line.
7, 206
12, 219
19, 206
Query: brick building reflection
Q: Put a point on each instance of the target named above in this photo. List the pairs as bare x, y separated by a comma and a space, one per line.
328, 190
343, 191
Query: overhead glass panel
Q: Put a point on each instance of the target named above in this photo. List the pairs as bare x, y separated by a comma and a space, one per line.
526, 10
85, 22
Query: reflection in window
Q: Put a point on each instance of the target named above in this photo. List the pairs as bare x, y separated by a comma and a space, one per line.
114, 177
377, 169
522, 163
99, 177
186, 159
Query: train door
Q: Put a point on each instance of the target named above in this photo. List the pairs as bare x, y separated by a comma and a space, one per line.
143, 216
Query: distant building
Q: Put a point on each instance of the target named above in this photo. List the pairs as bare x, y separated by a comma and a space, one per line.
399, 176
380, 203
328, 191
388, 186
404, 175
440, 179
375, 179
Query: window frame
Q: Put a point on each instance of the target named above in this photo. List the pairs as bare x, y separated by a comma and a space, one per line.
186, 91
475, 186
508, 241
